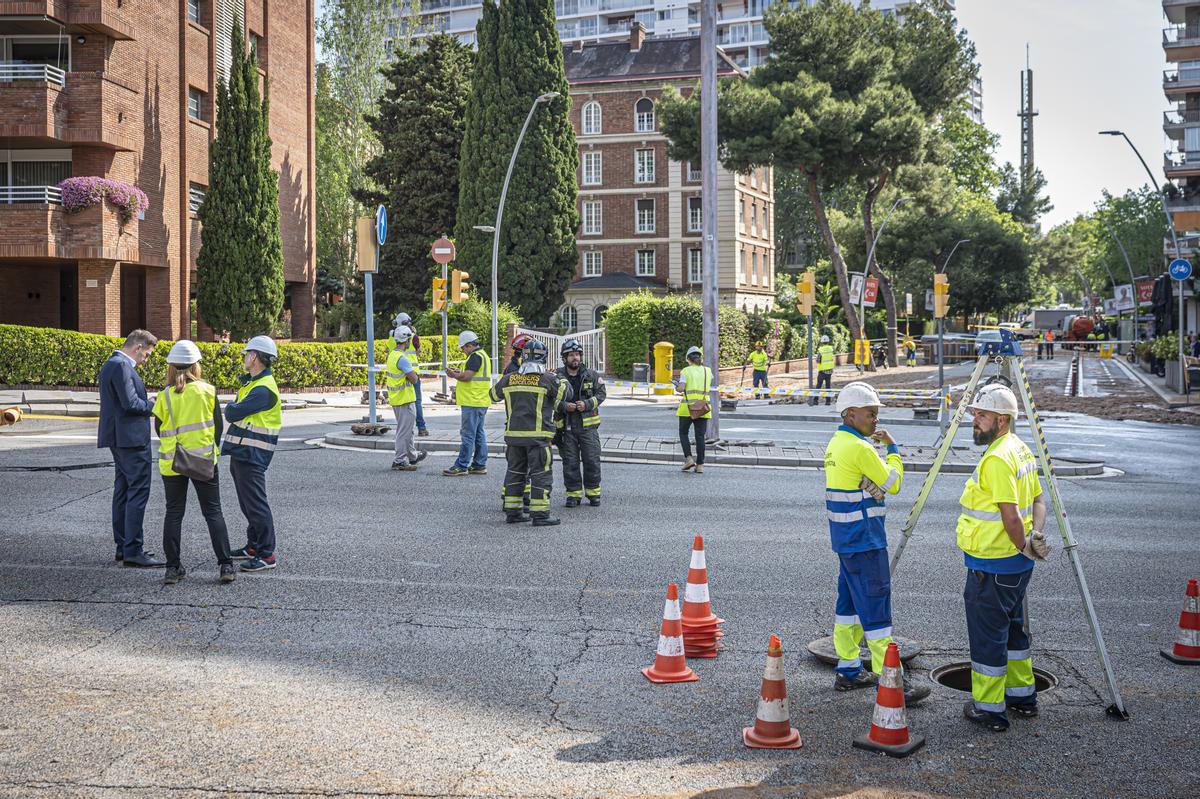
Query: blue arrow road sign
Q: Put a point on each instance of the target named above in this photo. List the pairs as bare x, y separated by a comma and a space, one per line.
381, 225
1181, 269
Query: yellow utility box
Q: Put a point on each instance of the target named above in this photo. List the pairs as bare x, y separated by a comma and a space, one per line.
663, 352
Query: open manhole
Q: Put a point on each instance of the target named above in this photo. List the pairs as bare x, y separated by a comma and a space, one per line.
958, 677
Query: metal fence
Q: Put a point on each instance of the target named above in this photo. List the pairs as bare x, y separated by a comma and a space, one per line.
592, 342
30, 194
15, 70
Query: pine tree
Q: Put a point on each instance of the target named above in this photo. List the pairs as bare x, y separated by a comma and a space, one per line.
420, 130
240, 265
520, 58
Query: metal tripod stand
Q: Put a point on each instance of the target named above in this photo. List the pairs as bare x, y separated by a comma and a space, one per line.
1008, 364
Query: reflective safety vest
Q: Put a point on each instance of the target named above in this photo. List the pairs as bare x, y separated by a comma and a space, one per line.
193, 428
473, 393
981, 535
759, 360
254, 438
400, 391
825, 358
1049, 335
697, 380
855, 517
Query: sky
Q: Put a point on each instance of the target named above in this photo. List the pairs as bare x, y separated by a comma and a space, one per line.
1097, 65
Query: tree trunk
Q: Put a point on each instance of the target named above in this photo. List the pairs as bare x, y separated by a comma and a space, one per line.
835, 252
885, 285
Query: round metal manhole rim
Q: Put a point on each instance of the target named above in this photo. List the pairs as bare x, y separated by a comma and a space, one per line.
823, 650
957, 677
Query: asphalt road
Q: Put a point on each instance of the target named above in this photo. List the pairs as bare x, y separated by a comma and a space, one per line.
409, 644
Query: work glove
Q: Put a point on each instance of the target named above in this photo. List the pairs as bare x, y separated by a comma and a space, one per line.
869, 486
1036, 546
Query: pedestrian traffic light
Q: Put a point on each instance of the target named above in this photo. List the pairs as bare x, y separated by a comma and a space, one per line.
805, 292
439, 294
458, 285
941, 295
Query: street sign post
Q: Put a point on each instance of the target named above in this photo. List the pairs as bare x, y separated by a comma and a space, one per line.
1181, 270
442, 252
368, 293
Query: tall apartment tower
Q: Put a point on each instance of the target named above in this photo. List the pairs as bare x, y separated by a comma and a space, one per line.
125, 90
1181, 84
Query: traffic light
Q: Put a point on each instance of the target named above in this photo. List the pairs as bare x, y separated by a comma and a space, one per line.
439, 294
862, 352
941, 295
458, 285
806, 292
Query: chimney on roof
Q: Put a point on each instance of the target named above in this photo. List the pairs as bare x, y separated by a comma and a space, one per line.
637, 36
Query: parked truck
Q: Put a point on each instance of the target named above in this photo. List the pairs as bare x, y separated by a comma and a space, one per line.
1050, 318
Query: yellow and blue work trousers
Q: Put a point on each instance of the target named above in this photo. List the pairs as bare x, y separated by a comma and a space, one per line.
864, 609
1001, 668
529, 464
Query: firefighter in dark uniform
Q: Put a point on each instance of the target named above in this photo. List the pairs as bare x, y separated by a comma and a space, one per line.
531, 396
579, 426
514, 364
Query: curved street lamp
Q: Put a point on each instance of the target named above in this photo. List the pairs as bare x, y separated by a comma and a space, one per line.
862, 298
942, 322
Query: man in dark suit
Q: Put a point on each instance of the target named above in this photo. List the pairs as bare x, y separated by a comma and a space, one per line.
125, 430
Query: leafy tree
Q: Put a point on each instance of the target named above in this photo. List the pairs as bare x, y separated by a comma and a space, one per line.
1023, 200
419, 127
335, 206
240, 264
520, 58
967, 149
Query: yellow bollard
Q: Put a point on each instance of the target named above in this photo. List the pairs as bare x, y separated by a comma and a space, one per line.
1106, 350
663, 352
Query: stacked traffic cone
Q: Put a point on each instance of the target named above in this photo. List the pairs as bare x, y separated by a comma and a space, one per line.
889, 725
701, 632
670, 665
772, 728
1187, 641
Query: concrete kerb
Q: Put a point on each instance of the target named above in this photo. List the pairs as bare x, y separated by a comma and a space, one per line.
633, 449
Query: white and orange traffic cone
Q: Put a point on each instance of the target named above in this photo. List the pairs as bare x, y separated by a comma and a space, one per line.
772, 728
1187, 641
670, 664
889, 724
700, 625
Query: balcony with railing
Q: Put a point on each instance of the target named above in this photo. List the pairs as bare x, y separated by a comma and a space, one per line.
624, 5
67, 108
1181, 163
16, 71
44, 195
1174, 122
1181, 42
39, 227
1176, 10
1177, 82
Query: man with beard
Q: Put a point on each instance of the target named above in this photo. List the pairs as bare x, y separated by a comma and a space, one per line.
999, 532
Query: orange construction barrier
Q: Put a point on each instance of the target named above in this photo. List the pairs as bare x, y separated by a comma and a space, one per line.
889, 724
670, 665
700, 624
1187, 641
772, 728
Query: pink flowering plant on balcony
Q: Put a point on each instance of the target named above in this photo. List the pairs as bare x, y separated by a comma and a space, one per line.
79, 193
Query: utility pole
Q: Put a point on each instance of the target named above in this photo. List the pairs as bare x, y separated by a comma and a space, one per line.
708, 193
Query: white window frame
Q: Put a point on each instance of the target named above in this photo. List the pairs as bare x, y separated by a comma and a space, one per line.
591, 119
643, 122
766, 231
593, 263
193, 11
693, 173
643, 165
643, 222
695, 218
568, 313
64, 41
201, 96
195, 190
592, 167
640, 264
754, 268
753, 219
695, 265
593, 218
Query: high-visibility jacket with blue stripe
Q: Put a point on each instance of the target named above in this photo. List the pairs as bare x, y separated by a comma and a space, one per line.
855, 517
1007, 473
253, 438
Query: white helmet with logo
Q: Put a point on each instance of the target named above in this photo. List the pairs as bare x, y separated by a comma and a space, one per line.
183, 353
824, 339
857, 395
996, 398
403, 319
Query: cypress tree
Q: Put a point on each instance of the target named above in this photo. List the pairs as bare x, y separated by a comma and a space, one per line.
420, 130
240, 265
522, 60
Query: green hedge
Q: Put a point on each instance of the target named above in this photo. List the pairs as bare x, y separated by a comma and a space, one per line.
640, 320
472, 314
53, 357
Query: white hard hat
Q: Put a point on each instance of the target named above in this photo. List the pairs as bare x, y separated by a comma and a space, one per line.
857, 395
996, 398
402, 319
262, 344
183, 353
824, 339
467, 337
402, 333
694, 351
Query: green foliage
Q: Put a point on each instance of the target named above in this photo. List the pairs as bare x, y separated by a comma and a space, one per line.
473, 314
839, 337
1023, 198
519, 59
1166, 347
640, 320
335, 206
240, 265
627, 332
419, 126
967, 149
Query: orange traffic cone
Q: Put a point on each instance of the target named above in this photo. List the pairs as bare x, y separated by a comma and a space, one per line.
1187, 641
670, 665
889, 725
700, 630
772, 728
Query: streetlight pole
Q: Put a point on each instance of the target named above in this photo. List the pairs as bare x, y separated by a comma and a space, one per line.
942, 321
495, 229
862, 299
1132, 281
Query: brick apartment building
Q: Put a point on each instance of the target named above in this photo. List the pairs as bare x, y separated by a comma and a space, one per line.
640, 211
125, 90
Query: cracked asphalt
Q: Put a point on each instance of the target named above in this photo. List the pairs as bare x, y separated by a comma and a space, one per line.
411, 644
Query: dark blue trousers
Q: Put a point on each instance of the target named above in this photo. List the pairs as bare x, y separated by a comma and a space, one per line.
250, 482
131, 492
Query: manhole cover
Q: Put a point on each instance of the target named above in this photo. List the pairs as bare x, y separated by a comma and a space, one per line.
823, 650
958, 677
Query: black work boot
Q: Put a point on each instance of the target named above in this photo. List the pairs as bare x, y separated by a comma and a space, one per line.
516, 517
544, 520
174, 574
864, 679
594, 501
989, 721
572, 502
914, 692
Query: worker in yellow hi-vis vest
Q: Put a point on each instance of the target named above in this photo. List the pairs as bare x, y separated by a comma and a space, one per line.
825, 362
760, 361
